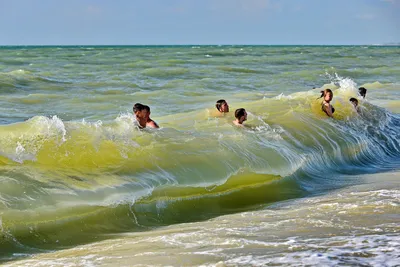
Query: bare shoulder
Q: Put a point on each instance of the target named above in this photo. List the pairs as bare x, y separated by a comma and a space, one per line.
152, 124
326, 105
237, 124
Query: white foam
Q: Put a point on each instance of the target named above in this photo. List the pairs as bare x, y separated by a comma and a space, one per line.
345, 84
59, 125
98, 124
50, 127
19, 151
282, 96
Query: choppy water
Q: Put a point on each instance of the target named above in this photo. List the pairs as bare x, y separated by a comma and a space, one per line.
81, 185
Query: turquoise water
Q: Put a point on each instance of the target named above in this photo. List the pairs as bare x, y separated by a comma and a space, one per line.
79, 178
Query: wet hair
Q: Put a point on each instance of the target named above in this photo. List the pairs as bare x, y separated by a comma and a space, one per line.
147, 108
219, 104
239, 113
362, 91
353, 100
138, 107
324, 92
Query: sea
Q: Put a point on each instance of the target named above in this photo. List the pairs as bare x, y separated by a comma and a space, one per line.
82, 185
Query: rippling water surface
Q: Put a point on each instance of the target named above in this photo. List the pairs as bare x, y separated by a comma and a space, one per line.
82, 185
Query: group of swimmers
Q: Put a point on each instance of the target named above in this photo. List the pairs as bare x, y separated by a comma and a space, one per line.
240, 114
142, 112
363, 92
327, 94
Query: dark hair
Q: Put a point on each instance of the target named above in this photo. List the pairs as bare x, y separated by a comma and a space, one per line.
219, 104
362, 91
138, 107
239, 113
147, 108
324, 92
353, 100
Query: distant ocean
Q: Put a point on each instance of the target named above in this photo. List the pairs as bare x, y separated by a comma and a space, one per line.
81, 185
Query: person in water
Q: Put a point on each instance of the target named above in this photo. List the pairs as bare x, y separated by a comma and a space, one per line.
142, 113
362, 91
354, 101
326, 105
241, 116
222, 106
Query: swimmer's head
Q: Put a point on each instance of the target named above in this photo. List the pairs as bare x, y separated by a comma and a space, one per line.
137, 108
362, 91
327, 94
145, 112
222, 106
142, 112
354, 101
240, 115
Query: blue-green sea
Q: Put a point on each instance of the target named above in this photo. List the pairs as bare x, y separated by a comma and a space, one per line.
82, 185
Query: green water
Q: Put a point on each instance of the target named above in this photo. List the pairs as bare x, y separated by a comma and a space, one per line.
78, 176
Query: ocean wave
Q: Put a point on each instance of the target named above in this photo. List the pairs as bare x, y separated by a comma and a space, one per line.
164, 72
108, 177
16, 80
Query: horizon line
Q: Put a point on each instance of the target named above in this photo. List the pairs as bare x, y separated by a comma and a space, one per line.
65, 45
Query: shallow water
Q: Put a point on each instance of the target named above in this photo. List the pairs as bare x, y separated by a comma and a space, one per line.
83, 185
357, 225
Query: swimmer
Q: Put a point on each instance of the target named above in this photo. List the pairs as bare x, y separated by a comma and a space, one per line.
326, 106
142, 113
222, 106
362, 91
241, 116
354, 101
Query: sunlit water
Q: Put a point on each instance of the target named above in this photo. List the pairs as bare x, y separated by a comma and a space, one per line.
82, 185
